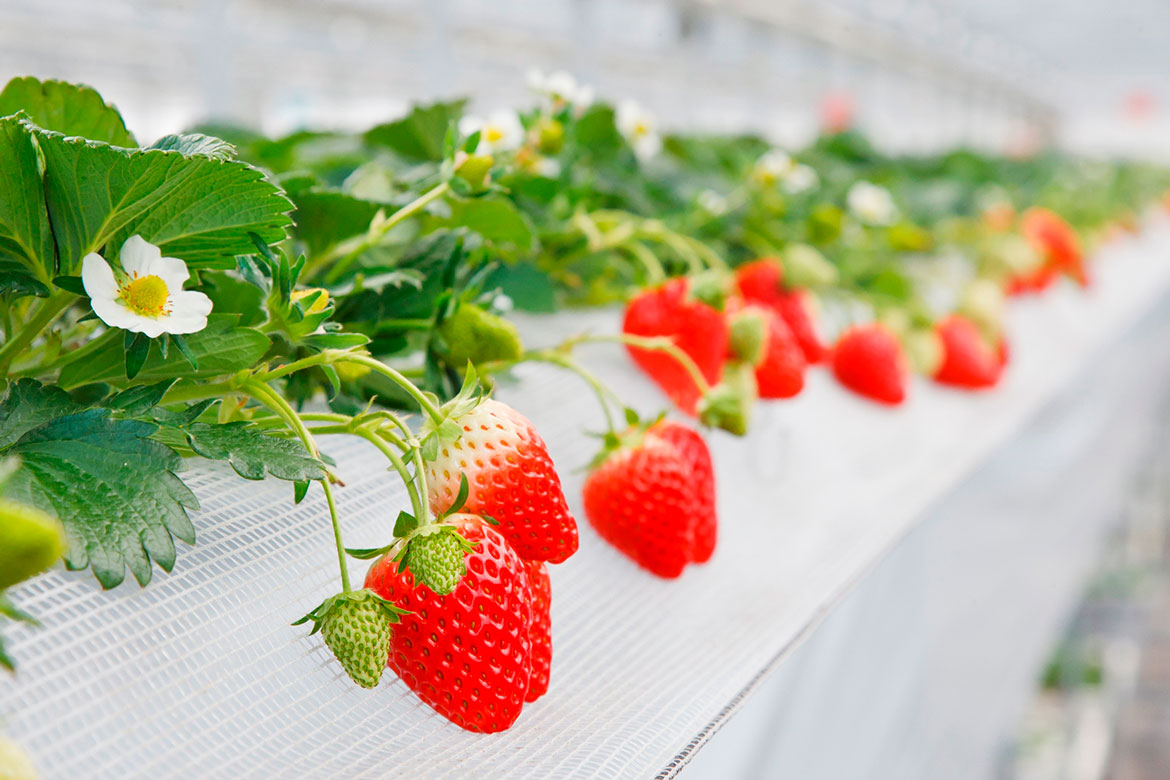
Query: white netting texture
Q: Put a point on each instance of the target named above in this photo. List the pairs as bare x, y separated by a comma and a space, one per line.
201, 675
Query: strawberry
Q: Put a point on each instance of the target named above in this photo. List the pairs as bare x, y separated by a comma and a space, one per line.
471, 334
1056, 241
540, 632
967, 360
697, 328
693, 449
466, 654
760, 281
509, 472
652, 498
796, 307
868, 360
356, 628
781, 373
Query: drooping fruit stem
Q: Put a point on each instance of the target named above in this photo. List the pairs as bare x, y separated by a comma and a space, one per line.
653, 343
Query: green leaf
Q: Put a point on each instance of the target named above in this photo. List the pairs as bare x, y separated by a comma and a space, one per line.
419, 135
139, 400
405, 523
325, 217
28, 404
529, 288
251, 451
25, 234
71, 109
196, 143
113, 489
220, 348
16, 281
195, 208
137, 346
366, 553
496, 219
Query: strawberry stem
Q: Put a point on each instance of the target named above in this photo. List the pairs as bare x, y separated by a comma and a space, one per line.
655, 343
379, 440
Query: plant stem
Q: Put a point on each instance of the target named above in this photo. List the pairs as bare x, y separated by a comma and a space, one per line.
561, 358
341, 562
425, 404
352, 251
657, 344
416, 502
46, 313
188, 393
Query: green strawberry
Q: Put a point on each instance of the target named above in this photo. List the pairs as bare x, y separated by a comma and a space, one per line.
30, 541
356, 628
436, 556
475, 335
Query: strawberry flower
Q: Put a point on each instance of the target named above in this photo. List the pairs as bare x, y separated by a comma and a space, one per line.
871, 204
800, 178
561, 89
500, 132
640, 129
147, 295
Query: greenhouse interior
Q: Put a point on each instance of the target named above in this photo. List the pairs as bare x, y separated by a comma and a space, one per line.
701, 389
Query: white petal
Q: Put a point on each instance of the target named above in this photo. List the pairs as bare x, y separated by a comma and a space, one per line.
469, 124
98, 278
152, 327
171, 270
110, 312
182, 324
187, 303
138, 255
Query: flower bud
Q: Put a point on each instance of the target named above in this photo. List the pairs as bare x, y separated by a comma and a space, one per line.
474, 168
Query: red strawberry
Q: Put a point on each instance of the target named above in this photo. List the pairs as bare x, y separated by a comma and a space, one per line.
795, 307
466, 654
781, 373
967, 360
869, 361
760, 280
540, 632
649, 499
693, 449
510, 476
1056, 241
698, 329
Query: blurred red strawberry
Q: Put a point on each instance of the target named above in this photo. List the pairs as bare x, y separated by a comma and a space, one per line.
967, 359
869, 361
1056, 241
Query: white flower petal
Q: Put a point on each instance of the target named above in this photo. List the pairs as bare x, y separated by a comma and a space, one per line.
138, 255
98, 278
181, 325
153, 327
111, 312
171, 270
190, 303
470, 124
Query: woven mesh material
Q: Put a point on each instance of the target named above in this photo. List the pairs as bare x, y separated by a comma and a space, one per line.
201, 674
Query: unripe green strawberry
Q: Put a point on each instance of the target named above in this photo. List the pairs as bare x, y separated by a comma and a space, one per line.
474, 169
436, 556
475, 335
30, 541
550, 136
356, 628
14, 762
804, 266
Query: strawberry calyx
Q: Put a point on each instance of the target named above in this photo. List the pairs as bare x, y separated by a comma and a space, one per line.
748, 335
728, 405
446, 428
631, 438
710, 287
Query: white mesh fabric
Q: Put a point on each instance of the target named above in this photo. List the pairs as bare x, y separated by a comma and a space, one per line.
200, 674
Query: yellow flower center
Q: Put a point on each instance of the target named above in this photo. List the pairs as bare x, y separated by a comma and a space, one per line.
146, 295
493, 134
641, 128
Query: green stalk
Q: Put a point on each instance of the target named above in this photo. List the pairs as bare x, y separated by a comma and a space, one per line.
353, 250
48, 311
657, 344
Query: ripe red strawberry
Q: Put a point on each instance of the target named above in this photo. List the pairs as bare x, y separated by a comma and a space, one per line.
781, 373
868, 360
540, 632
510, 476
1055, 239
650, 499
967, 360
760, 281
693, 449
795, 306
466, 654
698, 329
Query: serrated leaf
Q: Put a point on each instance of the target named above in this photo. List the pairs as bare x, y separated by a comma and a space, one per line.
70, 109
28, 404
220, 348
419, 135
114, 490
196, 143
171, 419
195, 208
496, 219
25, 235
139, 400
251, 452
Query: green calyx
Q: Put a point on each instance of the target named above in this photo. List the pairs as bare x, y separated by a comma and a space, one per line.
473, 335
729, 404
436, 433
748, 335
710, 287
356, 629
